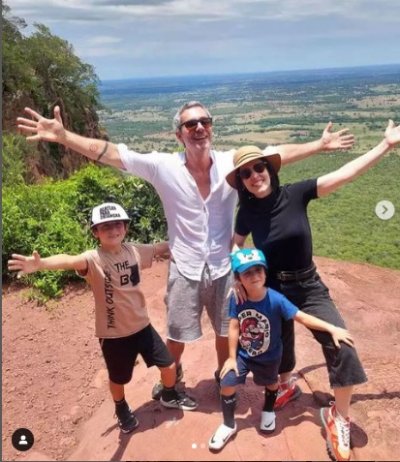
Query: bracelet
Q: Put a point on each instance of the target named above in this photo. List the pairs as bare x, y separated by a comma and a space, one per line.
102, 152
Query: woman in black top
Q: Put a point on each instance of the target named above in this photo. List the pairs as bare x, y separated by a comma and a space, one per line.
276, 217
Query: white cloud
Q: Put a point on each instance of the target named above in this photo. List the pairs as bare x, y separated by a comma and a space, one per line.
122, 10
194, 36
103, 40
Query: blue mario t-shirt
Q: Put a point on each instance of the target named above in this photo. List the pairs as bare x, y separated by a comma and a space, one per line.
261, 325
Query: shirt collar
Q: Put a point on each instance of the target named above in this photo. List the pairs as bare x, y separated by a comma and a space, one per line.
182, 156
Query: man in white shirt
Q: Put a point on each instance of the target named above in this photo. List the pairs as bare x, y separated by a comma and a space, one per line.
199, 207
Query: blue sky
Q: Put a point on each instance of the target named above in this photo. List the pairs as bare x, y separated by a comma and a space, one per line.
149, 38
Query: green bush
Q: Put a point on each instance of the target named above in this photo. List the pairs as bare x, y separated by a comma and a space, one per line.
54, 218
15, 150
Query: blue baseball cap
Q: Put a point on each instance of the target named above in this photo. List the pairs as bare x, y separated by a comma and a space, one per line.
243, 259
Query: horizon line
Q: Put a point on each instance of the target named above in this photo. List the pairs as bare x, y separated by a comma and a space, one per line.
288, 71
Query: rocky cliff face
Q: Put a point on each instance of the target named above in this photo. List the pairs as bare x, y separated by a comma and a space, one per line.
50, 159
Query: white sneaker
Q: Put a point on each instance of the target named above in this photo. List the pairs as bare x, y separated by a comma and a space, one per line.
267, 424
337, 433
221, 437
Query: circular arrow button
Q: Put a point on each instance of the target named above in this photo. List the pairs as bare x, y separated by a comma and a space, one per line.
384, 210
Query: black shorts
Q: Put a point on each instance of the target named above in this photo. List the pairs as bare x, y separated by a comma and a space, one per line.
263, 373
120, 353
312, 296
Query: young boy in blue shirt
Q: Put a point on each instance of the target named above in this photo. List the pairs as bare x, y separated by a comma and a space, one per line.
255, 341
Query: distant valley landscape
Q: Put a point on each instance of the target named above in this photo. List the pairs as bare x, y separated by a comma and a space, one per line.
285, 107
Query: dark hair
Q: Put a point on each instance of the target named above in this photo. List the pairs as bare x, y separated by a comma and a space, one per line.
244, 194
126, 225
236, 275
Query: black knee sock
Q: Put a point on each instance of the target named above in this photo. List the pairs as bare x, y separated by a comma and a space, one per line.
228, 404
270, 398
168, 394
121, 406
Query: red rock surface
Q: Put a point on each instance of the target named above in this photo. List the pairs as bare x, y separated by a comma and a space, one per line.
55, 383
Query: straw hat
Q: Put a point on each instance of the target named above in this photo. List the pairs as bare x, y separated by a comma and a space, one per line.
246, 154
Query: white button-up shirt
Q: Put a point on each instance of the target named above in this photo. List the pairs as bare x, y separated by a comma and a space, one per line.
199, 231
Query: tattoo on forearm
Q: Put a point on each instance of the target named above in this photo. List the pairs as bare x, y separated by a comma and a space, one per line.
102, 152
93, 148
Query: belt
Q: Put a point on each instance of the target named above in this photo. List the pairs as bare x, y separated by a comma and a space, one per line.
299, 275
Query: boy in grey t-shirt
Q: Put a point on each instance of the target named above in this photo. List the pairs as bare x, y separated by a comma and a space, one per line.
122, 321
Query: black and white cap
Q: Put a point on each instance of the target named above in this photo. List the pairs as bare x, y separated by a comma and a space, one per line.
108, 211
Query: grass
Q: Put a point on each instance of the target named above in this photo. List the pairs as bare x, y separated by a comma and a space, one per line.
344, 225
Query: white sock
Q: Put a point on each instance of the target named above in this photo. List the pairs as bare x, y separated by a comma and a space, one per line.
339, 416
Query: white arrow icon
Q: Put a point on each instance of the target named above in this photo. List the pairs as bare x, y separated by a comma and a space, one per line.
384, 210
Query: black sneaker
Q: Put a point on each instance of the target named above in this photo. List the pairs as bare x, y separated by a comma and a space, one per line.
157, 390
158, 387
127, 420
180, 401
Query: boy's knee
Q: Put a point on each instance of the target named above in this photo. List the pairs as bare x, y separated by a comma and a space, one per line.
170, 368
227, 391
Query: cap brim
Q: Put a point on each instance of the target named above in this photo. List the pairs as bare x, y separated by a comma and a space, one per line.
106, 220
246, 266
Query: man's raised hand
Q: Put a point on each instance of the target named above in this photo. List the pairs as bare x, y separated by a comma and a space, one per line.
39, 128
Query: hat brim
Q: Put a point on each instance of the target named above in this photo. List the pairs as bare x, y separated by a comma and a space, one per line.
274, 159
106, 220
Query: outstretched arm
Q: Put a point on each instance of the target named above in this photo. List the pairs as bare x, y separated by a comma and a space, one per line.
161, 250
329, 141
40, 128
330, 182
338, 334
24, 264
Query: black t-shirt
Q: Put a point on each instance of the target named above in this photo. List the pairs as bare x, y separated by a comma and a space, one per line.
279, 225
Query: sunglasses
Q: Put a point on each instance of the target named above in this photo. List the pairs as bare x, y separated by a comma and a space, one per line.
245, 173
206, 122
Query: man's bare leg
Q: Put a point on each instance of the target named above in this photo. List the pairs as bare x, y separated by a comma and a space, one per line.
222, 348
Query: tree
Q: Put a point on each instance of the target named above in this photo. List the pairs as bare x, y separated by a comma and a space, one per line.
17, 76
42, 71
